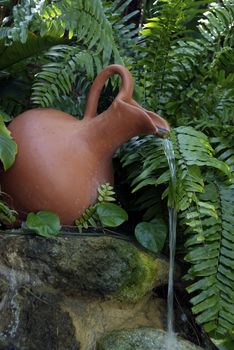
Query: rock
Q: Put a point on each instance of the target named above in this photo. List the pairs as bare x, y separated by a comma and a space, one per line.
35, 321
67, 292
94, 317
98, 266
141, 339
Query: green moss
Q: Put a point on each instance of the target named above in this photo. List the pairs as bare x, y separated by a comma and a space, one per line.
97, 266
143, 279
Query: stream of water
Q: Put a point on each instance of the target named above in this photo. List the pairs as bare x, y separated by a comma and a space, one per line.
171, 341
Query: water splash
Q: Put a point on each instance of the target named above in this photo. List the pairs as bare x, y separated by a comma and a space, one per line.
171, 342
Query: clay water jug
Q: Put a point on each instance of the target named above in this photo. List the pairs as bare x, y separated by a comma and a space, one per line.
61, 161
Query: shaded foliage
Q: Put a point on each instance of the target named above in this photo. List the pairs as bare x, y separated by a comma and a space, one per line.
183, 63
185, 72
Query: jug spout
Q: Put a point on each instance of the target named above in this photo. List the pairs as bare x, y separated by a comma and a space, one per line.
155, 124
122, 121
125, 118
160, 126
129, 119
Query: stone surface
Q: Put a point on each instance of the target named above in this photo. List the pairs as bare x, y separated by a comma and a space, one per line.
34, 320
94, 317
141, 339
67, 292
99, 266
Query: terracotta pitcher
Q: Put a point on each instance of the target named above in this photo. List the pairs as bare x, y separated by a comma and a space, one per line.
61, 161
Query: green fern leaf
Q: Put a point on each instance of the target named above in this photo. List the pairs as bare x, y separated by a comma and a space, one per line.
19, 52
83, 20
147, 166
212, 259
57, 79
224, 147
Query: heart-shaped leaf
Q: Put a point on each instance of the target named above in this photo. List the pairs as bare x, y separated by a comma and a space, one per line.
110, 214
151, 235
44, 223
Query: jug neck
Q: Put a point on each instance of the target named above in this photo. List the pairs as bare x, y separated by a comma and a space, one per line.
117, 125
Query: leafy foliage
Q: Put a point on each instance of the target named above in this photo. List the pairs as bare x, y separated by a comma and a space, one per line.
8, 151
161, 64
18, 52
185, 64
192, 151
103, 213
7, 215
84, 19
224, 146
57, 78
210, 251
152, 235
188, 70
111, 214
204, 200
8, 147
125, 32
86, 45
43, 223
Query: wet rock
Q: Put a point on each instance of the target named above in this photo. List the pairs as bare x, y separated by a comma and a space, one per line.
36, 321
141, 339
99, 266
94, 317
67, 292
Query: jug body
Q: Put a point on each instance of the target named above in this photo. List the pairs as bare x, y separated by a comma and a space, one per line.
62, 161
56, 167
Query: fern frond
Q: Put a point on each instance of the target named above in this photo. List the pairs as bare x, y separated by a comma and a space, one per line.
224, 60
210, 93
216, 26
149, 201
7, 215
125, 32
161, 35
19, 53
147, 166
58, 77
82, 20
87, 219
106, 193
90, 216
195, 149
177, 78
224, 147
74, 104
210, 251
23, 15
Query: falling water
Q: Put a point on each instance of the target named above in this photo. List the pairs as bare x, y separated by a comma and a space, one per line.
171, 342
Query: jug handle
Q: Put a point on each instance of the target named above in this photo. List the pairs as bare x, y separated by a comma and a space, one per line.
125, 92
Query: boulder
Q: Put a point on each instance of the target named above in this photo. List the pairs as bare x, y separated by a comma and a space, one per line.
99, 266
67, 292
142, 339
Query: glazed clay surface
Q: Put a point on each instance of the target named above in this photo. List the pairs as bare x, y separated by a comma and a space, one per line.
61, 161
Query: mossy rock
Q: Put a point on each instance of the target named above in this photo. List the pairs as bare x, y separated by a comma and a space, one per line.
34, 320
95, 266
142, 339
